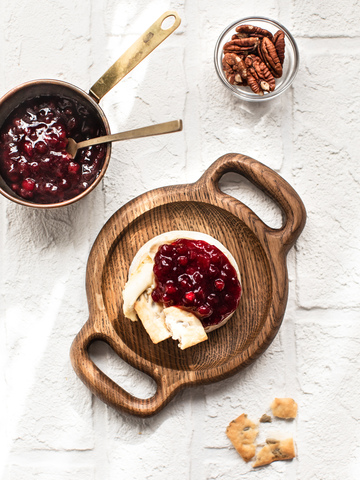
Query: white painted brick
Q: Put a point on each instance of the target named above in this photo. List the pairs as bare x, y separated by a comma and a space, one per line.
327, 367
316, 19
49, 472
157, 448
237, 468
327, 251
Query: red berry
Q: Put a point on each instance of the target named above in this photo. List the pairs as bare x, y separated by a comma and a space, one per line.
213, 271
197, 277
35, 167
219, 284
156, 296
205, 311
170, 287
166, 249
192, 254
73, 168
204, 262
190, 297
28, 149
182, 260
182, 249
28, 194
53, 140
71, 124
200, 294
185, 283
213, 299
215, 257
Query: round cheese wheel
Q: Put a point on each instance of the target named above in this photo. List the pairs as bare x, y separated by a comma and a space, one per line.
141, 266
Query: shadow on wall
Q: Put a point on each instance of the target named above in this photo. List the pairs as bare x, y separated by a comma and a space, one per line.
52, 409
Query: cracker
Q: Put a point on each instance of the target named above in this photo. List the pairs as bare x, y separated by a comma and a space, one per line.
242, 432
275, 450
284, 408
184, 326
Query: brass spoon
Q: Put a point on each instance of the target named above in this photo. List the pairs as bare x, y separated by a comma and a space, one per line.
159, 129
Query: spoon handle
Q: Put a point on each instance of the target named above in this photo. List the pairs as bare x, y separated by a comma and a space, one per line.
159, 129
144, 45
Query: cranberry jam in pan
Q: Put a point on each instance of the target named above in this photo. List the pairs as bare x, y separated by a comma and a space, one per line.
33, 157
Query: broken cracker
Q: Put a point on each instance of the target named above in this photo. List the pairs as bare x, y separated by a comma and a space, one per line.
184, 326
242, 432
284, 408
275, 450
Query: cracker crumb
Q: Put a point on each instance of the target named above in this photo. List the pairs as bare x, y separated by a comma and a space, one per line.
242, 432
274, 451
265, 418
284, 408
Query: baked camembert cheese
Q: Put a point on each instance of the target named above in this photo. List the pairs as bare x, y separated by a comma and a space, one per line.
182, 284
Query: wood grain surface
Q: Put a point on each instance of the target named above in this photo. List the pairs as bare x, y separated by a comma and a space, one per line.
259, 250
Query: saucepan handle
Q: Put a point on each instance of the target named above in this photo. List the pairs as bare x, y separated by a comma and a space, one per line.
144, 45
268, 181
104, 387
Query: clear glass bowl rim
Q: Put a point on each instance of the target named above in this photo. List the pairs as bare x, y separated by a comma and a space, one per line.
252, 97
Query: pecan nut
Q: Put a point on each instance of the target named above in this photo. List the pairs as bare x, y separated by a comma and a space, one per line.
252, 31
242, 45
234, 68
259, 76
270, 57
279, 42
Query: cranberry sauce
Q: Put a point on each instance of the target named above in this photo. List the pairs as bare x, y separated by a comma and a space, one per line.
196, 276
33, 158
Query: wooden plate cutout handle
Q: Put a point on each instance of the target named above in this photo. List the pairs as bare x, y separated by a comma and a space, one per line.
268, 181
105, 388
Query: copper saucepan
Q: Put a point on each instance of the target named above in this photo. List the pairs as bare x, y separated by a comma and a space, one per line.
147, 42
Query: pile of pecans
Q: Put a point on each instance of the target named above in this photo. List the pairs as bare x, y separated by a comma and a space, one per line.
254, 57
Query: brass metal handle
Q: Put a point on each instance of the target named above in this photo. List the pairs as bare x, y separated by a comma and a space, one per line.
144, 45
151, 130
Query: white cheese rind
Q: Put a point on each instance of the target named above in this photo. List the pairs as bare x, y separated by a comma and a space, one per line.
152, 317
139, 281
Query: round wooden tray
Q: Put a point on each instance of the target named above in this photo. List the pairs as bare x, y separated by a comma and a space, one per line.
259, 250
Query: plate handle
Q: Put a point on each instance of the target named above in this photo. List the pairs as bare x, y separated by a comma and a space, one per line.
104, 387
268, 181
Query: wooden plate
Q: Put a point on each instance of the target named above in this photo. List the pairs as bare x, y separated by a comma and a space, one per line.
259, 250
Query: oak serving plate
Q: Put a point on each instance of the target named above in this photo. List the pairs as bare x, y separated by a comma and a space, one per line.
259, 250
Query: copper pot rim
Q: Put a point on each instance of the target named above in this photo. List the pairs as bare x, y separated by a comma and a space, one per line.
95, 105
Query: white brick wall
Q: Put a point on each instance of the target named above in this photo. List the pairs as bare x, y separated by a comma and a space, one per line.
51, 428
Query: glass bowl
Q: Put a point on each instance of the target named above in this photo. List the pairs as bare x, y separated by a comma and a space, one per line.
290, 66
